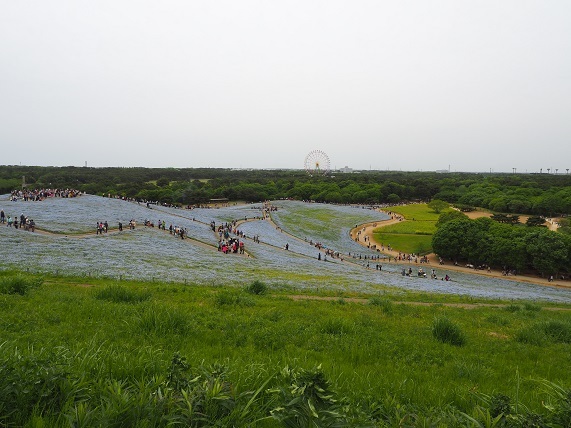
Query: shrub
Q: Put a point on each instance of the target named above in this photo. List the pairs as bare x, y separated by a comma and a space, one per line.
19, 284
446, 331
305, 399
531, 336
513, 308
554, 331
557, 331
385, 305
531, 307
500, 405
29, 382
257, 287
558, 403
121, 294
205, 395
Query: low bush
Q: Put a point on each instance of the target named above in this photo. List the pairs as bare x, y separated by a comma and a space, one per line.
257, 287
557, 331
500, 405
19, 284
512, 308
552, 331
305, 399
531, 307
531, 335
28, 382
385, 305
446, 331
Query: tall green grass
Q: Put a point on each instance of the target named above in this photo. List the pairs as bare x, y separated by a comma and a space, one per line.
121, 294
224, 357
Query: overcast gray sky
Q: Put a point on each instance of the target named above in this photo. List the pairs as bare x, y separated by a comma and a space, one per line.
401, 85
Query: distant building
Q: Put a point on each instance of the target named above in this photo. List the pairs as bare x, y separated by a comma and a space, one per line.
346, 170
442, 171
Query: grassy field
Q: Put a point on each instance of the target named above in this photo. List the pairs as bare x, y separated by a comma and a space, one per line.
413, 235
417, 212
95, 352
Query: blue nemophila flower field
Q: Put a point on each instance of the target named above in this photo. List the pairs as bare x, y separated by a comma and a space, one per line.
66, 243
326, 223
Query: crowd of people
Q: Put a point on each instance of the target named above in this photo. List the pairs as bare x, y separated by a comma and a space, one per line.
41, 194
230, 239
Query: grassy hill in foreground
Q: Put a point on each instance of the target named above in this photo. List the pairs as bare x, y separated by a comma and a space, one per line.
102, 353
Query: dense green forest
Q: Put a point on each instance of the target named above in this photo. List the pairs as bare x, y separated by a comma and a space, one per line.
540, 194
512, 247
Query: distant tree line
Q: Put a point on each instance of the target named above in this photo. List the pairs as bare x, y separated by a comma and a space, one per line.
502, 245
539, 194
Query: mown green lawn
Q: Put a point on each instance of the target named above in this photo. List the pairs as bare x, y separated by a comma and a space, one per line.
419, 212
414, 234
406, 243
103, 353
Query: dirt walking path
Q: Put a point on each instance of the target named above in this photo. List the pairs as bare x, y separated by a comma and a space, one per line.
367, 229
415, 303
114, 231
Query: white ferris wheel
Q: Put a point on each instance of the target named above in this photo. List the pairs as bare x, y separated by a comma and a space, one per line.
317, 163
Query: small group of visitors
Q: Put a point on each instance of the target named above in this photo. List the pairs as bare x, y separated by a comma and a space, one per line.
422, 274
24, 223
101, 227
178, 231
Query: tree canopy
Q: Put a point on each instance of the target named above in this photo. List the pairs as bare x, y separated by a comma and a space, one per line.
536, 194
503, 245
